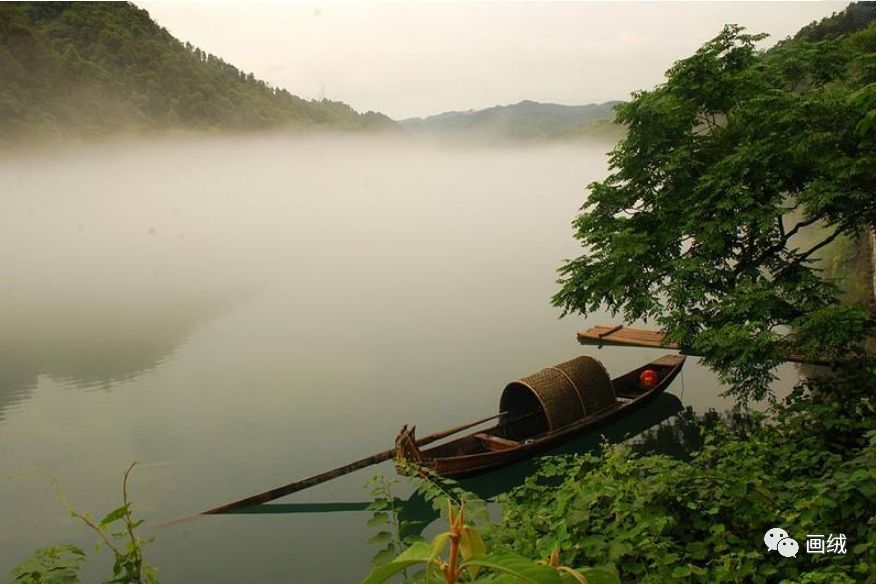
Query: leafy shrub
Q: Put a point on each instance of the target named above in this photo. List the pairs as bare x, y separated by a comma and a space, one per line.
810, 467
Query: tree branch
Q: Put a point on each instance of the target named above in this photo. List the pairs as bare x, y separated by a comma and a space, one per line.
800, 226
815, 248
776, 247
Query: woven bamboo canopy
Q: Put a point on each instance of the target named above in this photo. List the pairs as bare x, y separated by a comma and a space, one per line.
562, 394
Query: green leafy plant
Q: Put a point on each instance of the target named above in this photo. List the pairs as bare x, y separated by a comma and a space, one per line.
394, 532
442, 492
460, 553
52, 565
727, 199
117, 531
808, 465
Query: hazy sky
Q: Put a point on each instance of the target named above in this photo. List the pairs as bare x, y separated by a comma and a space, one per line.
421, 58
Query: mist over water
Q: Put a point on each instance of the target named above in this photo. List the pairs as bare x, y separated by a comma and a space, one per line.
236, 313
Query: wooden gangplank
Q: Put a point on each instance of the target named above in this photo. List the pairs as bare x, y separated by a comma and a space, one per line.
625, 336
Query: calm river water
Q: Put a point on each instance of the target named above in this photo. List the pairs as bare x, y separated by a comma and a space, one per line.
238, 313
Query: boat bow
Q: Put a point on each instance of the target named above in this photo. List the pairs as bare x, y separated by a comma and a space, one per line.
406, 449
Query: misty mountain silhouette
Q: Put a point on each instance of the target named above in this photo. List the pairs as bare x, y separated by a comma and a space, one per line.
526, 120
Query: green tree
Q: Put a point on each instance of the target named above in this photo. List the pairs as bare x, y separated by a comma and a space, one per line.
735, 173
118, 70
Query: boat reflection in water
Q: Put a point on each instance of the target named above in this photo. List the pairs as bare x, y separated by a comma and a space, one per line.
416, 510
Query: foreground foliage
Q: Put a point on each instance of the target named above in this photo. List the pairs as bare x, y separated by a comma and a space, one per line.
735, 176
809, 467
460, 554
700, 513
51, 565
117, 531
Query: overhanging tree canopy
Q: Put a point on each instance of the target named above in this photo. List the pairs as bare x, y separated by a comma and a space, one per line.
734, 174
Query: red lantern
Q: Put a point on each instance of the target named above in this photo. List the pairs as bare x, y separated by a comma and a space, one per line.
648, 378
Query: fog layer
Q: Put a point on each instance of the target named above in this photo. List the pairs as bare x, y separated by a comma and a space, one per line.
236, 313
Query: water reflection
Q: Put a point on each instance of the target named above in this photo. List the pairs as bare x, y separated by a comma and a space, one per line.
661, 409
384, 284
95, 345
291, 508
416, 510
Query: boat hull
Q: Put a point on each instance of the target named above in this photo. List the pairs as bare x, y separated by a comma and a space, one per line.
472, 464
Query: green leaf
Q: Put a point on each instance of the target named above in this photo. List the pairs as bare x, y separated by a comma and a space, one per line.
379, 505
616, 549
599, 576
419, 553
379, 518
680, 572
382, 537
570, 576
471, 544
114, 515
523, 569
384, 556
52, 565
439, 542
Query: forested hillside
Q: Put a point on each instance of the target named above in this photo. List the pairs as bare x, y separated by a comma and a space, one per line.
855, 17
527, 121
89, 69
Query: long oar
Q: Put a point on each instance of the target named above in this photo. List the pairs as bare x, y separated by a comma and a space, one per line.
333, 474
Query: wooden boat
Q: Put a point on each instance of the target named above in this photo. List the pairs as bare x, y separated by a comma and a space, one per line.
536, 414
540, 412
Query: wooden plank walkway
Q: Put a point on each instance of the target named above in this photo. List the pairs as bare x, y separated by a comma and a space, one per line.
626, 336
633, 337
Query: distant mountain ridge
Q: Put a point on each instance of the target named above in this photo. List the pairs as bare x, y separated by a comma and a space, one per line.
527, 121
88, 69
855, 17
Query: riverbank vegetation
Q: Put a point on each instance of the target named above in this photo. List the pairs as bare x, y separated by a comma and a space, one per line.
734, 175
725, 166
699, 513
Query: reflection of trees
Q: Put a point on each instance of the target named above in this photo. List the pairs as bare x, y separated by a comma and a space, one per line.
91, 344
684, 434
